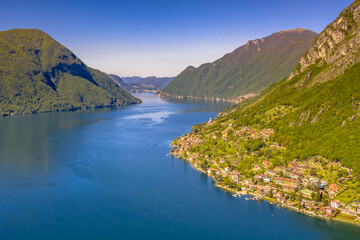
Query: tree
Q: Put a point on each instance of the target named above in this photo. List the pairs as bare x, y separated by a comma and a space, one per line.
318, 196
271, 195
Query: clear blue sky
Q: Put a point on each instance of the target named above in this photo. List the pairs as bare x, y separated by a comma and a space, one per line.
162, 37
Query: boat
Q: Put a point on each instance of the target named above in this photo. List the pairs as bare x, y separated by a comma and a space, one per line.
251, 198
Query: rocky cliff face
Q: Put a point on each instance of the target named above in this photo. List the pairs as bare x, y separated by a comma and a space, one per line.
337, 46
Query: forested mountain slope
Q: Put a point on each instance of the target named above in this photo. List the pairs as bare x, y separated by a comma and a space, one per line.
247, 70
38, 74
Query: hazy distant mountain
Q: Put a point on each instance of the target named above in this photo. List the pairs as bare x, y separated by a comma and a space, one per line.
161, 82
38, 74
136, 86
131, 79
248, 69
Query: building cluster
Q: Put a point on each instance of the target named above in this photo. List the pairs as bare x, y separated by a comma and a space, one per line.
295, 184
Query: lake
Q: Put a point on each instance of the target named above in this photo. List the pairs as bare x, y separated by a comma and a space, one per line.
106, 174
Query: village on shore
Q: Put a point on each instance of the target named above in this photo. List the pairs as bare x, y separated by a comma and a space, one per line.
245, 161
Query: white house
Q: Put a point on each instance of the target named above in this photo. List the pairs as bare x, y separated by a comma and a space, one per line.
335, 204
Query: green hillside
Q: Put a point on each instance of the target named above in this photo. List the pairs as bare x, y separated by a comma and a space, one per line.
312, 115
320, 101
247, 70
38, 74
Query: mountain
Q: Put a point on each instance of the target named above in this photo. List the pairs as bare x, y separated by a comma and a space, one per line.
134, 86
313, 112
131, 79
160, 82
247, 70
119, 81
38, 74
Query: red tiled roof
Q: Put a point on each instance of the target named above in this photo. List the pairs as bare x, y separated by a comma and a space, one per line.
333, 187
286, 179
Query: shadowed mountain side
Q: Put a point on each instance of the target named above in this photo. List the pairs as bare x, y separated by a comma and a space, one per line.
247, 70
38, 74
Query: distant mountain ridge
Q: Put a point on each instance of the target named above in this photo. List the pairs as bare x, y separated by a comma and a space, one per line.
38, 74
247, 70
137, 85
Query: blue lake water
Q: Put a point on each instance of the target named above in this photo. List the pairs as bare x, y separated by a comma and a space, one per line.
105, 174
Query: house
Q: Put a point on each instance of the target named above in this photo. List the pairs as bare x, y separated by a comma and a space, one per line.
210, 170
341, 179
313, 181
267, 132
279, 194
227, 169
294, 175
335, 204
323, 209
316, 208
348, 170
286, 181
239, 133
266, 164
333, 165
261, 176
294, 166
257, 168
333, 189
322, 184
271, 173
308, 205
280, 169
235, 175
274, 145
287, 188
330, 210
257, 177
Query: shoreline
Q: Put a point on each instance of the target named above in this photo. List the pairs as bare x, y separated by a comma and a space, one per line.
67, 110
259, 198
213, 99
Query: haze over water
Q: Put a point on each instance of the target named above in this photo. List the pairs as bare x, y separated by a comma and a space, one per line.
106, 174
